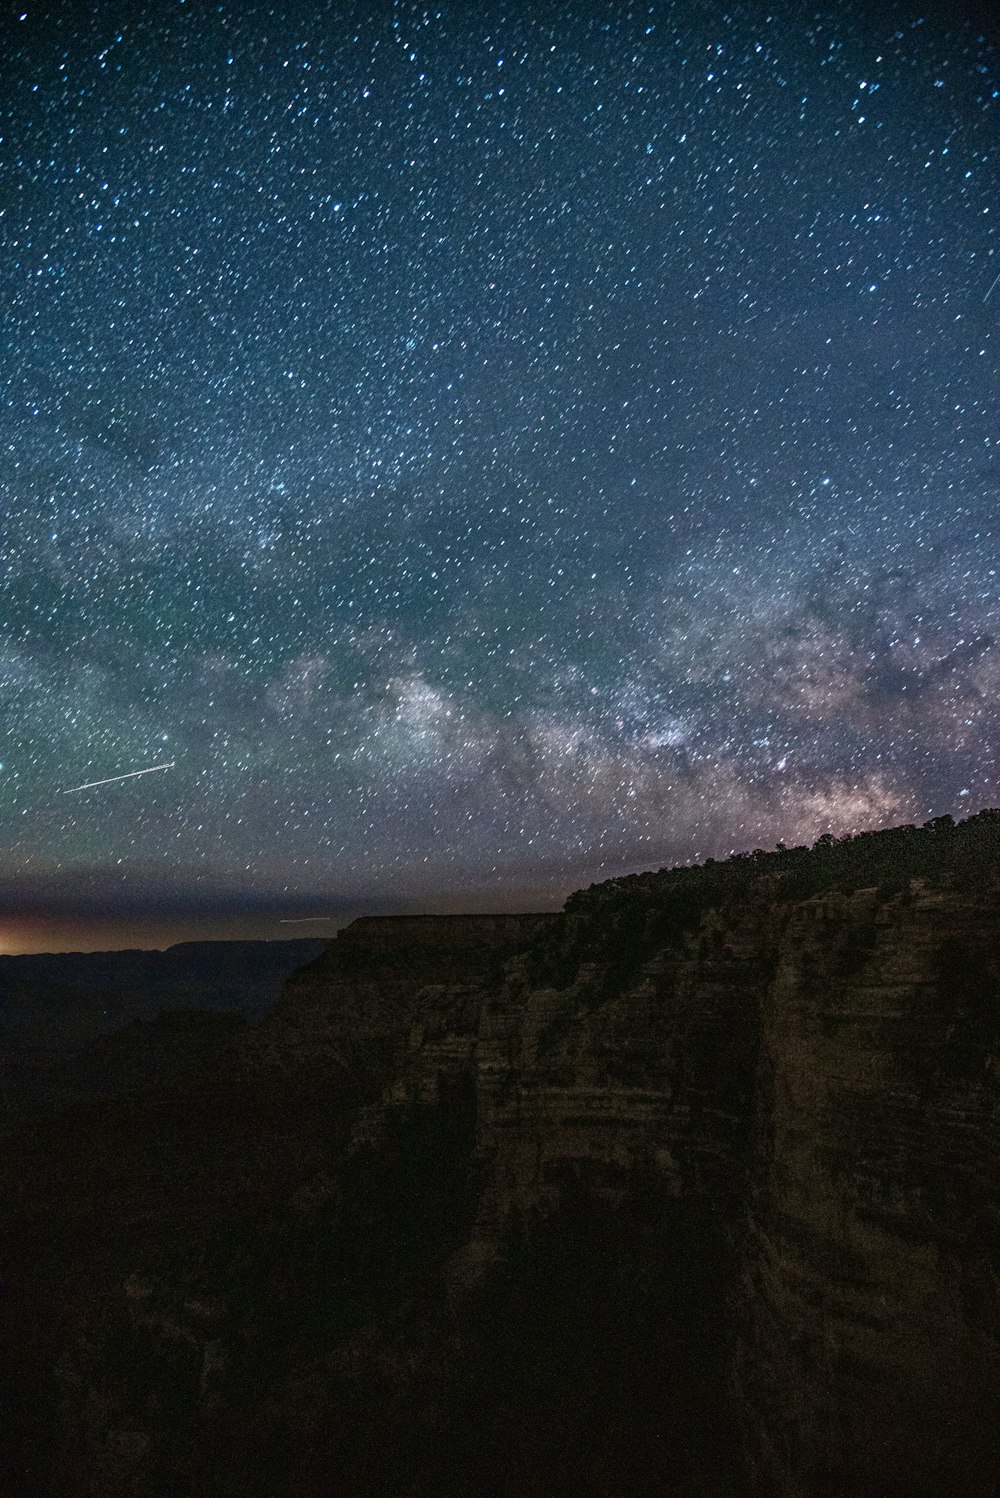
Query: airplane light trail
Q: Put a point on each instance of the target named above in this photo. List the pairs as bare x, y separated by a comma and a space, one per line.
89, 786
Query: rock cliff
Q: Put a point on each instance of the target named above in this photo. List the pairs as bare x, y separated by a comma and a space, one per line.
821, 1077
869, 1358
692, 1188
352, 1005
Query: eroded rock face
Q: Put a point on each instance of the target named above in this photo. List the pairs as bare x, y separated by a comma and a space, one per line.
868, 1360
599, 1078
352, 1006
823, 1074
699, 1199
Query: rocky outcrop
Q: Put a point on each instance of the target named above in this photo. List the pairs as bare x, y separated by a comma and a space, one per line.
596, 1081
691, 1188
823, 1073
870, 1306
351, 1007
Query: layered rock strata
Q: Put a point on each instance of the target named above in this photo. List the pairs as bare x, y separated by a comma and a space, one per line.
869, 1360
823, 1073
787, 1107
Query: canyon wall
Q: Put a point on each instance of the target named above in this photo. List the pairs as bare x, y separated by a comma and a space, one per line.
667, 1193
870, 1307
822, 1075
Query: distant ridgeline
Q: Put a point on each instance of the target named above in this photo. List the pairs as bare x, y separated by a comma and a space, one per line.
629, 917
945, 853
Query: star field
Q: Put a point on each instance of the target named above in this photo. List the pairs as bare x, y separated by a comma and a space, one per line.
488, 450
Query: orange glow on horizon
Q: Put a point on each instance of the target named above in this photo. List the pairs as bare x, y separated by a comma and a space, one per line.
25, 937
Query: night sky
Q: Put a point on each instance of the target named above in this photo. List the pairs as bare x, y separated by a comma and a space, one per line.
484, 451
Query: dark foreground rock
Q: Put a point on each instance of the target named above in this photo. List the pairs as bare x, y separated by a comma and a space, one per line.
692, 1189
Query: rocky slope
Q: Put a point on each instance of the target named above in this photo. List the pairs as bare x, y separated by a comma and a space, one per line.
690, 1189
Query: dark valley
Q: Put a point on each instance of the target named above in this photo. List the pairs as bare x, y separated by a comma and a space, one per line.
78, 1024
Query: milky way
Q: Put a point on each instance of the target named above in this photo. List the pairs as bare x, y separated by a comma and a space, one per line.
488, 451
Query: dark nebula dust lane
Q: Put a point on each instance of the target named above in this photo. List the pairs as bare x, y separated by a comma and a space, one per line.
483, 450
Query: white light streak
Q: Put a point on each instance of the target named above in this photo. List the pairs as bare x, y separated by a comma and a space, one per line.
90, 784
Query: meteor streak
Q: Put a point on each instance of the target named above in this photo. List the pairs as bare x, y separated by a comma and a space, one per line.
89, 786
